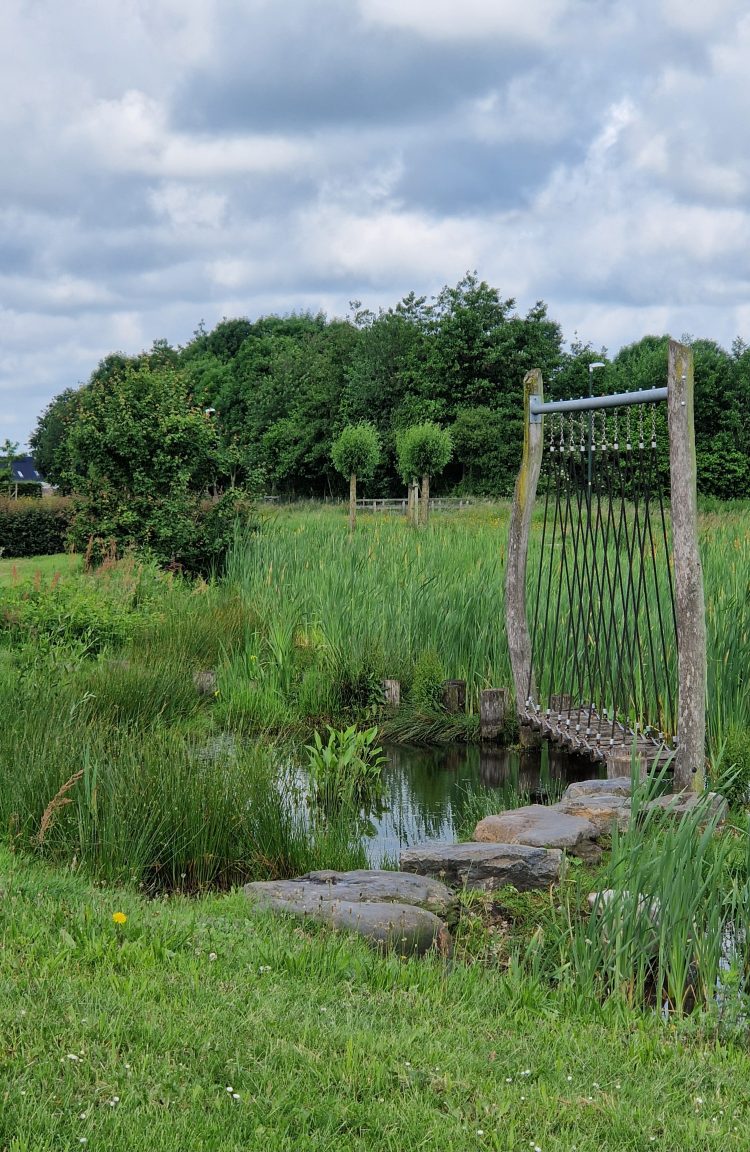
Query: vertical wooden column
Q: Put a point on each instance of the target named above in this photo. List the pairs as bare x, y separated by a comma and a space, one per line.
519, 640
688, 574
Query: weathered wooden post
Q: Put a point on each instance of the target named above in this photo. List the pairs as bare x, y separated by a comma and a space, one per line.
519, 640
454, 696
688, 574
493, 709
392, 693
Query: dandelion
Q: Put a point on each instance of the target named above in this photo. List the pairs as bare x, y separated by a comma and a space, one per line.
212, 955
119, 917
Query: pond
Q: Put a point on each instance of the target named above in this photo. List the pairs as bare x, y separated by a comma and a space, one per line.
427, 789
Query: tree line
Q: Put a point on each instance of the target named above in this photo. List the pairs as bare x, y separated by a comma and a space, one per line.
259, 404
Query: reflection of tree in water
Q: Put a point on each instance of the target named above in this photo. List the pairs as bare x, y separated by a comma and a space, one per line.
426, 789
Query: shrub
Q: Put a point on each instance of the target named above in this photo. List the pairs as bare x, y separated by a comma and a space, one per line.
30, 527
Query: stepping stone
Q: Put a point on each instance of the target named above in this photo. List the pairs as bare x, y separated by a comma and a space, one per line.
677, 805
388, 909
402, 927
485, 866
603, 811
363, 885
541, 827
617, 786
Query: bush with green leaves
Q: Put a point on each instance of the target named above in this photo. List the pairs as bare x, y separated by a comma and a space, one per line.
33, 527
427, 680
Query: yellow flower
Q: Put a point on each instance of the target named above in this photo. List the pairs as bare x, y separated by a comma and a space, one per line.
119, 917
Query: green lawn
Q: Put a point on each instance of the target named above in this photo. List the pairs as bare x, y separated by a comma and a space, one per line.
194, 1026
13, 571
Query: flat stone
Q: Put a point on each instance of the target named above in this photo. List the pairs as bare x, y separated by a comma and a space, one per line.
363, 885
539, 826
618, 786
402, 927
485, 866
603, 811
680, 804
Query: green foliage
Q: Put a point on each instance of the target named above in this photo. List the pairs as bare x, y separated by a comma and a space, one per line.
356, 450
427, 680
34, 527
346, 772
423, 450
140, 455
731, 775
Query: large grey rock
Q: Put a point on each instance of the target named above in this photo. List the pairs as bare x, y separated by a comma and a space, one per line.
363, 885
485, 866
603, 811
402, 927
677, 805
541, 827
618, 786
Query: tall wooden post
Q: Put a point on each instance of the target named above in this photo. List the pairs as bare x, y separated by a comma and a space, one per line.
519, 640
688, 574
352, 502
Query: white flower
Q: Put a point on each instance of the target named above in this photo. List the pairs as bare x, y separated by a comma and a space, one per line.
72, 1056
212, 955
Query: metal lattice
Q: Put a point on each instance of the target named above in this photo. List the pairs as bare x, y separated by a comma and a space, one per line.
602, 606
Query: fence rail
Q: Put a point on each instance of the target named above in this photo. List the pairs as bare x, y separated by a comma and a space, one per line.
400, 505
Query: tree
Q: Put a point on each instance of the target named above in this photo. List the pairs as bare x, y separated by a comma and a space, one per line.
140, 458
424, 450
356, 452
8, 453
49, 440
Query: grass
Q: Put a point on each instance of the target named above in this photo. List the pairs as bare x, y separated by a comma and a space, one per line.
47, 567
197, 1025
337, 615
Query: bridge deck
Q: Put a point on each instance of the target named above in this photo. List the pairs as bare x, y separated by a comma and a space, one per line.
584, 732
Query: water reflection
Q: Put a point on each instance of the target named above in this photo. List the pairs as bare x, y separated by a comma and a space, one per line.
426, 789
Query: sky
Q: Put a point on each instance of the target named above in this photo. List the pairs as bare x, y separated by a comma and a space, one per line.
171, 161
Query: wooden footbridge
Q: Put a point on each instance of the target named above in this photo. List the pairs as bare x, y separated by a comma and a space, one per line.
607, 634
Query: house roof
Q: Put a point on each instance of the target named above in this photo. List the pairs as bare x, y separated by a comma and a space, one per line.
22, 470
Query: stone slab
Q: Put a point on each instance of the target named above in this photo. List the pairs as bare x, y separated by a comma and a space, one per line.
404, 928
681, 804
539, 826
485, 866
603, 811
371, 885
618, 786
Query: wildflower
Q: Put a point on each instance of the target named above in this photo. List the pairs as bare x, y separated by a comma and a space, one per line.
119, 917
212, 955
72, 1056
235, 1095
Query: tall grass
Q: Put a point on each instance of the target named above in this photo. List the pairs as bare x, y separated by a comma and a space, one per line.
335, 614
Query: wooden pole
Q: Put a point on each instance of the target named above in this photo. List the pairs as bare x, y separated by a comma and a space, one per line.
519, 640
688, 574
352, 502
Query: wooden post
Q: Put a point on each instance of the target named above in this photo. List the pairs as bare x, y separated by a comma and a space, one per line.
688, 574
519, 640
493, 706
424, 500
392, 693
352, 501
454, 696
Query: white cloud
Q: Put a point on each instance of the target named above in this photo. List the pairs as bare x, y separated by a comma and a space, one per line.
534, 21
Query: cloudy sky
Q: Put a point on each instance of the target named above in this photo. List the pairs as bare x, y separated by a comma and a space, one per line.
167, 161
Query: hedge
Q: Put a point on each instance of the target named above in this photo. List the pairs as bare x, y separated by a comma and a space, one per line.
30, 527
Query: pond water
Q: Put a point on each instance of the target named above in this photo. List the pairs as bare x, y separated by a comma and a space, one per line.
427, 789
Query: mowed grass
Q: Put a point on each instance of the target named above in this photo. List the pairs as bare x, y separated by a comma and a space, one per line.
41, 567
196, 1025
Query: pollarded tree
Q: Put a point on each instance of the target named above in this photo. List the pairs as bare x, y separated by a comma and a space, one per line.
424, 450
356, 452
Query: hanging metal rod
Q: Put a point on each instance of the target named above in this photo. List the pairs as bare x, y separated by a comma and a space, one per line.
588, 403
